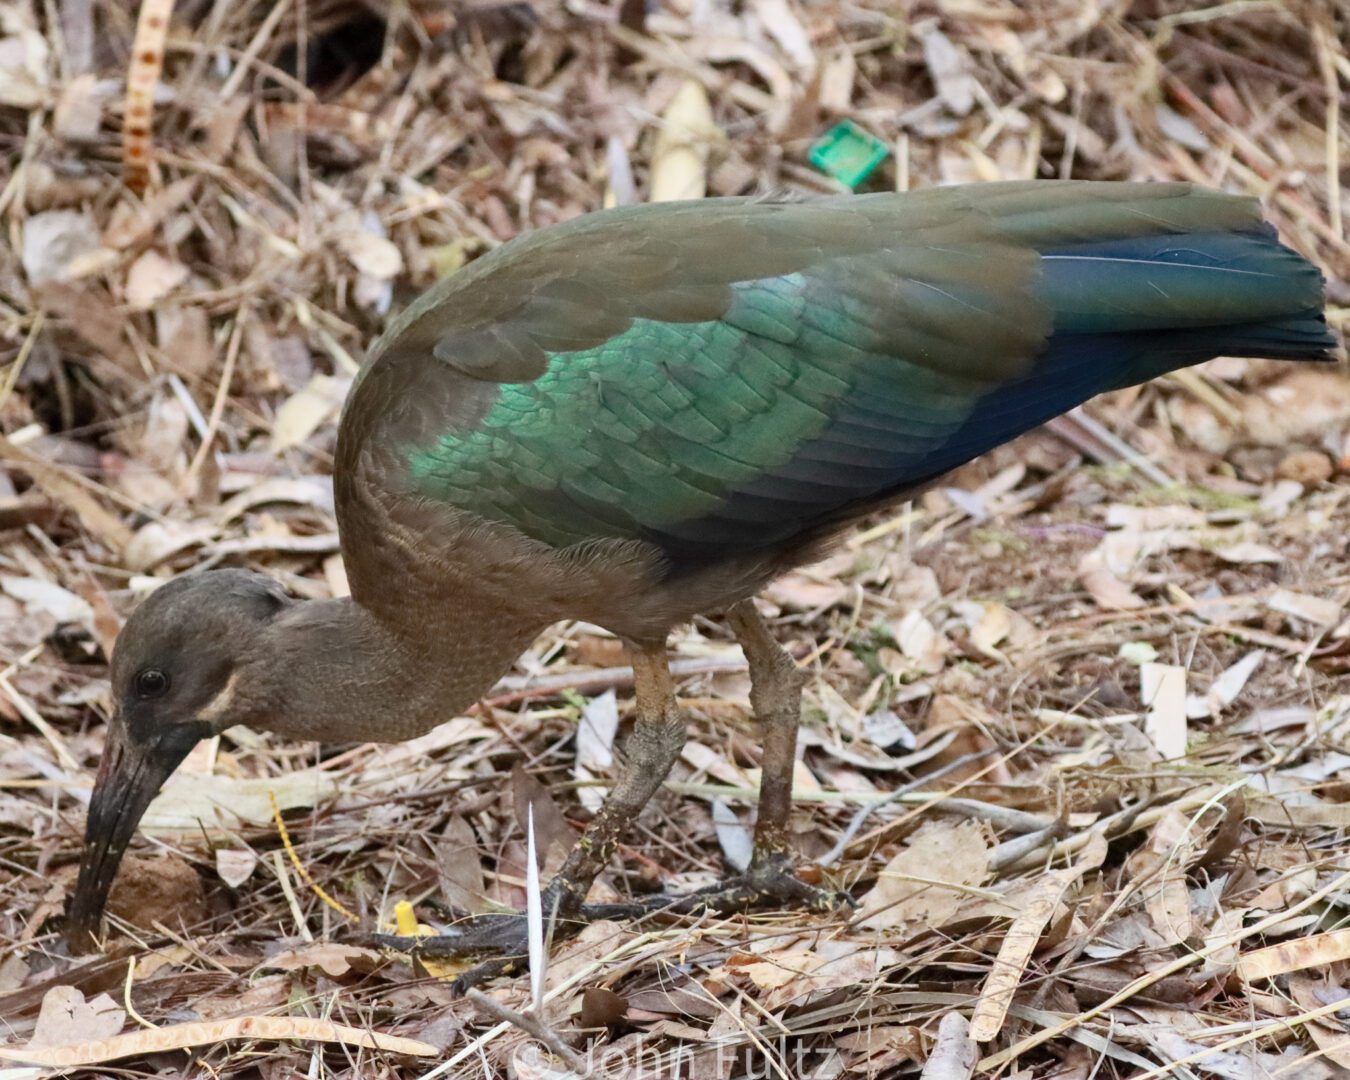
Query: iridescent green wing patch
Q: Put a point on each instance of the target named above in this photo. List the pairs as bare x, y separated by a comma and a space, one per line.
660, 424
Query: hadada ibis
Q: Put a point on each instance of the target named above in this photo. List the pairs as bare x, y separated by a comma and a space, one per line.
648, 413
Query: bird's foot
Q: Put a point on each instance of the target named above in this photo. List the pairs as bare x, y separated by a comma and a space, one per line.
770, 882
505, 936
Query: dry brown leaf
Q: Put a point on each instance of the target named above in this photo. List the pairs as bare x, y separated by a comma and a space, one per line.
711, 1060
1151, 519
371, 254
184, 332
780, 968
583, 952
802, 592
1222, 938
783, 25
151, 278
694, 1000
923, 882
555, 836
921, 643
13, 971
332, 959
67, 1018
884, 729
1248, 551
235, 866
266, 993
459, 867
838, 77
734, 836
134, 221
833, 965
530, 1061
1241, 1064
1306, 468
1311, 609
1315, 814
992, 623
300, 415
1331, 1037
313, 491
157, 541
335, 574
882, 1047
1224, 690
1014, 953
79, 111
54, 243
707, 760
734, 48
46, 596
159, 444
1299, 408
1168, 903
1106, 589
1160, 869
25, 61
950, 70
161, 889
601, 1008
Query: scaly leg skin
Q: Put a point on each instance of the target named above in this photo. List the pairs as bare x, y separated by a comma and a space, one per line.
776, 698
652, 750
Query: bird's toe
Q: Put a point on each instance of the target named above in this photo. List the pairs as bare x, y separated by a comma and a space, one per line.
762, 887
504, 934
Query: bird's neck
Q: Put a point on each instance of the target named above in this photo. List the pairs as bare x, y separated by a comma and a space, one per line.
332, 670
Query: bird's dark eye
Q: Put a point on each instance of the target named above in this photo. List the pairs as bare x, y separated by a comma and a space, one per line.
151, 683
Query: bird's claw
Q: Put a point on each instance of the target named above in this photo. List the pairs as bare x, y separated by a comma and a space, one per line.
773, 885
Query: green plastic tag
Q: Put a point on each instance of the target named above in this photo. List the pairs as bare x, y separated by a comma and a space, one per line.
848, 153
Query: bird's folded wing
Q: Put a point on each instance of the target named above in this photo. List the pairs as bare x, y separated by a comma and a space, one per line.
720, 377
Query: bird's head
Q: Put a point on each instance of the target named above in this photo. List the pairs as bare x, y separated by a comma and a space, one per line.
175, 681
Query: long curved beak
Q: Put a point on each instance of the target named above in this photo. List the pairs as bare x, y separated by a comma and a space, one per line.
129, 776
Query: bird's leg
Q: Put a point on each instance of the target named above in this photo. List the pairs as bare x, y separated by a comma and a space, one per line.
776, 699
651, 752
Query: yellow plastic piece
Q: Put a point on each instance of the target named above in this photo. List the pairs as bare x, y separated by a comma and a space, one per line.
405, 921
406, 925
